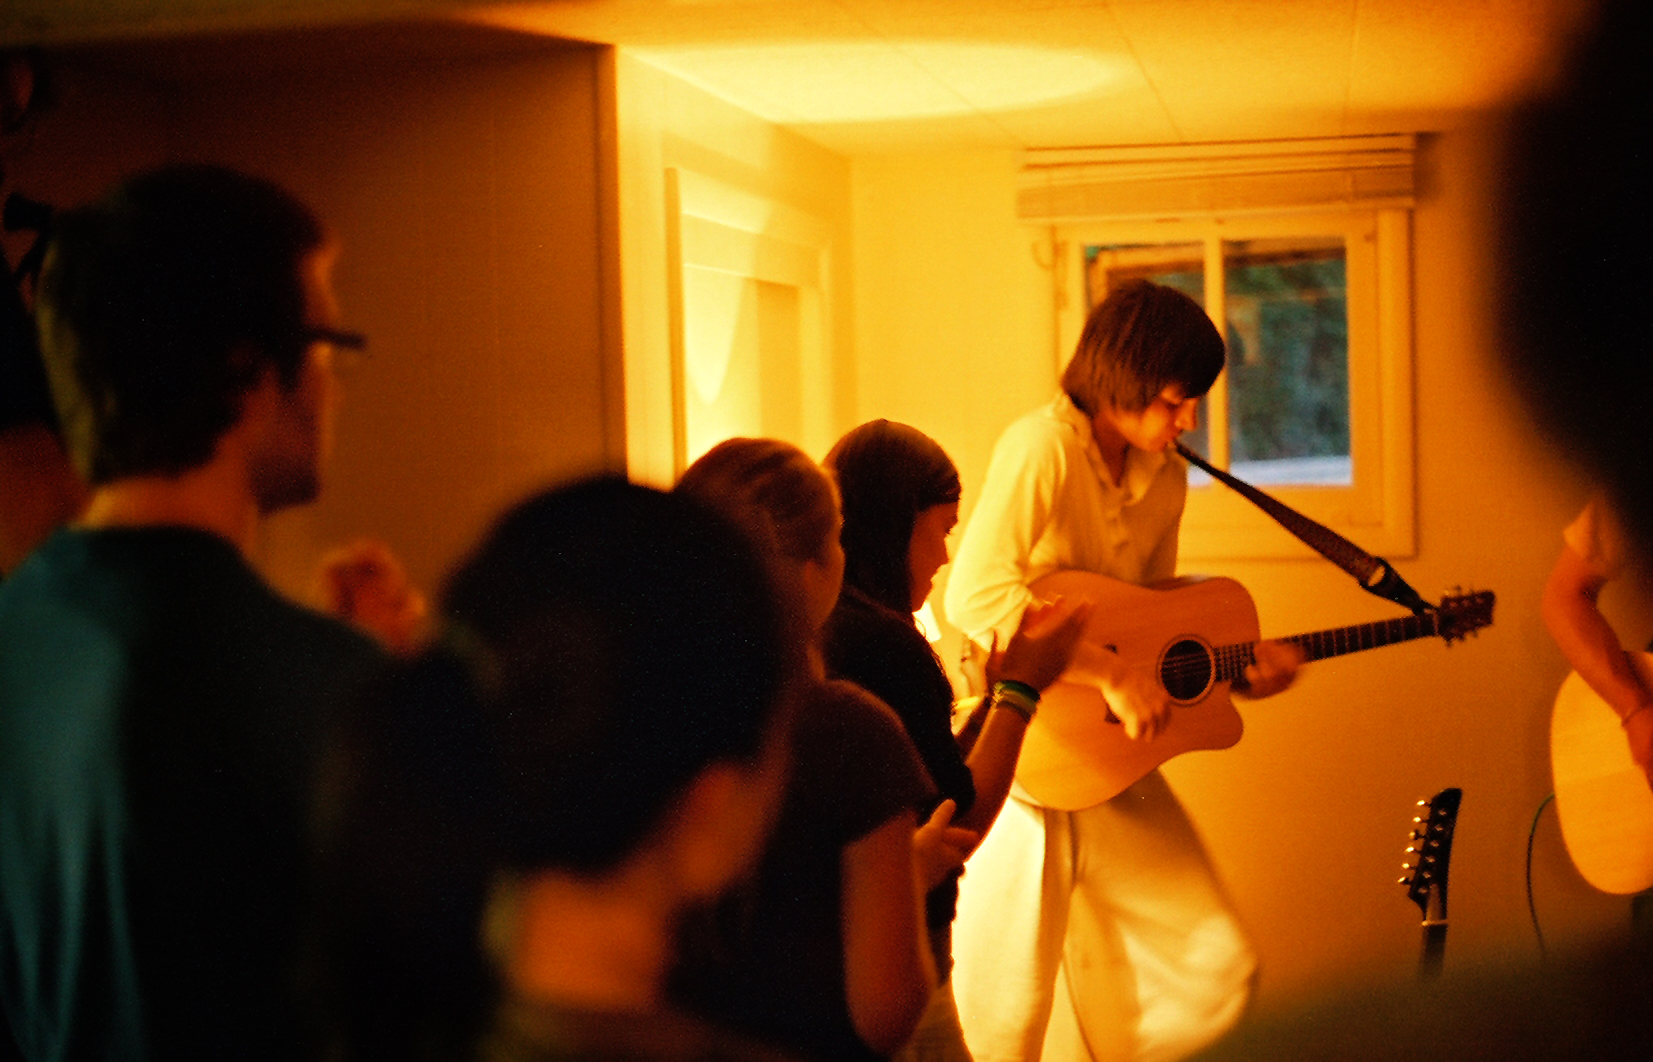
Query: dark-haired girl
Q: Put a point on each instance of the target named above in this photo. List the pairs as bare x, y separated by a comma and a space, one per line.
824, 951
900, 495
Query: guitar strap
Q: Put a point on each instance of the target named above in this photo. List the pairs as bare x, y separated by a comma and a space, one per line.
1374, 574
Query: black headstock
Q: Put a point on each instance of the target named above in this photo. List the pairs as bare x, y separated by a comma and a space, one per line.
1429, 855
1460, 614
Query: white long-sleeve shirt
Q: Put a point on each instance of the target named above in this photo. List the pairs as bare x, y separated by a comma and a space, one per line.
1049, 504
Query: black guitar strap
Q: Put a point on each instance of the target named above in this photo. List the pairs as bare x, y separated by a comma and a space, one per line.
1374, 574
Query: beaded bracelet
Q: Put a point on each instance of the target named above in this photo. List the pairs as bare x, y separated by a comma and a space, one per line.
1009, 695
1020, 687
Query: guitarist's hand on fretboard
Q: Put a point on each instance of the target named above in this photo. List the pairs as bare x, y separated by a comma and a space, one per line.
1273, 671
1159, 662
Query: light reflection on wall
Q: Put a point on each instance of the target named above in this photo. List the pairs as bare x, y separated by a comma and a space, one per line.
741, 341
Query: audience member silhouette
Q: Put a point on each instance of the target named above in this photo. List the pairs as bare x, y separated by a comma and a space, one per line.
824, 951
595, 743
162, 711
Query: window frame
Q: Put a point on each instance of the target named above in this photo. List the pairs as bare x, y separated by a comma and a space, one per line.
1377, 511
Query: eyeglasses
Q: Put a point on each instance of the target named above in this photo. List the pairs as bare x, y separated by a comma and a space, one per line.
349, 349
344, 340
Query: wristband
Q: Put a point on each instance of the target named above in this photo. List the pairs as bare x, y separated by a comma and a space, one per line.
1007, 695
1020, 687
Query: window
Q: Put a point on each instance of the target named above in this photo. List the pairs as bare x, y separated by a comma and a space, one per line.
1280, 414
1312, 294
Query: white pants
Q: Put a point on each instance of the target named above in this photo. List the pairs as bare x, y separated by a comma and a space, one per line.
937, 1037
1099, 935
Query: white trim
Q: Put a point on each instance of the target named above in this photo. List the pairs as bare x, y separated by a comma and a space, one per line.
1194, 180
717, 226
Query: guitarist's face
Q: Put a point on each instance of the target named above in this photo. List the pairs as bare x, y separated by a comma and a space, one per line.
1156, 425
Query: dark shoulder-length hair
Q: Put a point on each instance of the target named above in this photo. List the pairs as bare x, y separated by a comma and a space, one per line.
887, 473
1137, 342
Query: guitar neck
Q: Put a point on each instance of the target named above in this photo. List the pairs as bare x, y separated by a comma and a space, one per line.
1232, 660
1433, 952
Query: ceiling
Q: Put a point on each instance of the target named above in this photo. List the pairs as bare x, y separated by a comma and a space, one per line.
873, 76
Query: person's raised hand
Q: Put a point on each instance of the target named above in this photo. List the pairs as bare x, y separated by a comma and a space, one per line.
1043, 645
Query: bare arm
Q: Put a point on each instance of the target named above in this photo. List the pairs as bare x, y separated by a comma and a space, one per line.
888, 973
1590, 645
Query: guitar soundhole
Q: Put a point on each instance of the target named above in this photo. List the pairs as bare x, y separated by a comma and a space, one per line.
1185, 669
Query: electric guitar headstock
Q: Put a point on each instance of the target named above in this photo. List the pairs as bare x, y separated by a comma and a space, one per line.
1461, 614
1428, 860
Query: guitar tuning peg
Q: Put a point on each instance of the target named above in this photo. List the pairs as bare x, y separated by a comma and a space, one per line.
1423, 803
1404, 881
1418, 819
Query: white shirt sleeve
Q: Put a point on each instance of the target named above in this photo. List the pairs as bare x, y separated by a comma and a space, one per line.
988, 587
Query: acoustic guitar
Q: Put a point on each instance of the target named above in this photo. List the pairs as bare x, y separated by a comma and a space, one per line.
1601, 796
1197, 636
1428, 860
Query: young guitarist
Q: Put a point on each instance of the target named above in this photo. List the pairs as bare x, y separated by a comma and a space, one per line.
1593, 555
1102, 933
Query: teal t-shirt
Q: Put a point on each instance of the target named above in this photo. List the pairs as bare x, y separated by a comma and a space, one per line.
162, 717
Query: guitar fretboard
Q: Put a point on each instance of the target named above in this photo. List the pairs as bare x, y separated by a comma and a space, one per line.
1232, 660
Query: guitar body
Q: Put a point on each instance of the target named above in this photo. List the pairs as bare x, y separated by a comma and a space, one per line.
1601, 797
1076, 754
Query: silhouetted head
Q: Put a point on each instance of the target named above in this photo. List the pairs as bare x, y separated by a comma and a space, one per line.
163, 304
606, 647
1575, 261
787, 505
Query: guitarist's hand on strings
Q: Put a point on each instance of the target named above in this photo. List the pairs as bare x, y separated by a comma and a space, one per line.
1043, 644
1135, 696
1638, 729
1274, 670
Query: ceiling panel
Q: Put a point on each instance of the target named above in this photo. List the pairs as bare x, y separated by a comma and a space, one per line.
1464, 55
1247, 69
865, 76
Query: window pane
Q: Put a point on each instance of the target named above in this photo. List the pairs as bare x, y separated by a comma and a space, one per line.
1175, 265
1288, 369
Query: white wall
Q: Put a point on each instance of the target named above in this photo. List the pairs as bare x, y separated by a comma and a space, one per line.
470, 185
780, 206
1308, 815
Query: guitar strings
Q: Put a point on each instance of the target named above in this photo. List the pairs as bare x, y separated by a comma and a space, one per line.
1229, 661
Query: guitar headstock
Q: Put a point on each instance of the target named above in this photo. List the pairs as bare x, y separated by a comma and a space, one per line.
1459, 613
1429, 855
